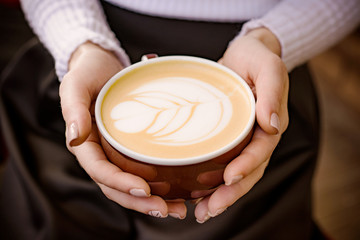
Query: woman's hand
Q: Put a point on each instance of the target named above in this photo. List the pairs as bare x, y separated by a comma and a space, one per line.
90, 68
255, 57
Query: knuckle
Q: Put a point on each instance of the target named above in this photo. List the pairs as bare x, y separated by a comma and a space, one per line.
249, 165
106, 191
276, 61
94, 171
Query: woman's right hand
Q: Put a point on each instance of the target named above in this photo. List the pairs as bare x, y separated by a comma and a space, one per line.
90, 67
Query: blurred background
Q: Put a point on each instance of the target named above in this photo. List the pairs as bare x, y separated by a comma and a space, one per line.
337, 179
337, 77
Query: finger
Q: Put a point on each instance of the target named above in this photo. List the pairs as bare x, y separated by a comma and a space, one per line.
92, 158
258, 151
272, 90
226, 196
75, 105
177, 209
202, 210
153, 206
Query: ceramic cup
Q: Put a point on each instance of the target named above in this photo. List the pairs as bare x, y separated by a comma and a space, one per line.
175, 121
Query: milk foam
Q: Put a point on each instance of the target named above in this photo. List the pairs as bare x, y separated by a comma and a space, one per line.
174, 111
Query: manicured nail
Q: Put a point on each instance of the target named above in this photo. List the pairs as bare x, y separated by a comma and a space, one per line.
155, 213
137, 192
275, 121
176, 215
217, 213
72, 133
196, 201
235, 179
207, 217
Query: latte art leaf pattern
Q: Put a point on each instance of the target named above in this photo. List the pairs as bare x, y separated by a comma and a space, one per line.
174, 111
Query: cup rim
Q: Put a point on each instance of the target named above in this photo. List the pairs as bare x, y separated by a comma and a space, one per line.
173, 161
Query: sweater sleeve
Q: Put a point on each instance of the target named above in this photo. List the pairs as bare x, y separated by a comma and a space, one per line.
307, 27
65, 24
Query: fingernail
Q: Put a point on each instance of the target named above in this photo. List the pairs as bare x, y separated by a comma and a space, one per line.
176, 215
137, 192
207, 217
72, 133
235, 179
217, 213
196, 201
275, 121
155, 213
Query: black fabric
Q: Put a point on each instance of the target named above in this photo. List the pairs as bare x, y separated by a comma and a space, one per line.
45, 194
141, 34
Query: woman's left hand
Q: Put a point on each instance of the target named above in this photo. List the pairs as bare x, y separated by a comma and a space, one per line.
255, 57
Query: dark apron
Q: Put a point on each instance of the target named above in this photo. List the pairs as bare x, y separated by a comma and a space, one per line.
45, 194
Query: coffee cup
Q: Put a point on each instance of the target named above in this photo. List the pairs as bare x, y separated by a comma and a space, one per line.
175, 121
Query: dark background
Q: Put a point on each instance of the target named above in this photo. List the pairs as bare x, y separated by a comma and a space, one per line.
337, 77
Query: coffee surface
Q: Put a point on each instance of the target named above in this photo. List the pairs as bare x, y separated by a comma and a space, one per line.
175, 109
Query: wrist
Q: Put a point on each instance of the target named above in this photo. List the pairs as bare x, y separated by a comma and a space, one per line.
81, 49
269, 39
86, 48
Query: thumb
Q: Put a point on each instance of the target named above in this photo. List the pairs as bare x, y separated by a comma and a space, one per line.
75, 104
272, 95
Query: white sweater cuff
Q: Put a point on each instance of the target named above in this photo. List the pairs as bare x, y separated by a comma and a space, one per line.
64, 25
80, 36
303, 33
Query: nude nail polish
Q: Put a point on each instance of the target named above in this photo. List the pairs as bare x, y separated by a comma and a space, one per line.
275, 121
176, 215
217, 213
72, 133
235, 179
137, 192
207, 217
155, 213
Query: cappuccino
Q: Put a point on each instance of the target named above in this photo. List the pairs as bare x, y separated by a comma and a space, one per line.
177, 109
